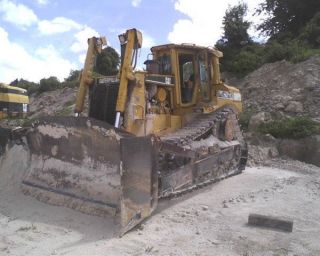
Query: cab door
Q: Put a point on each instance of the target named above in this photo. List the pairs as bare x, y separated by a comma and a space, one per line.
187, 78
204, 76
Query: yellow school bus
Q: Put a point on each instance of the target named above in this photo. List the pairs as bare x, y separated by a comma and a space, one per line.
14, 102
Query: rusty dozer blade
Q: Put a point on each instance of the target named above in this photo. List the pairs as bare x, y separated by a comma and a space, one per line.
139, 180
92, 167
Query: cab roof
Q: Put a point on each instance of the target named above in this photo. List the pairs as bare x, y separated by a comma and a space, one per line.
12, 88
193, 47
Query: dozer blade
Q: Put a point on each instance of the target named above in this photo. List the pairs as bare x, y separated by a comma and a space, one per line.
78, 162
139, 181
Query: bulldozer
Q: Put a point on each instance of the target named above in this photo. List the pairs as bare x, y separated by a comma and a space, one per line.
149, 135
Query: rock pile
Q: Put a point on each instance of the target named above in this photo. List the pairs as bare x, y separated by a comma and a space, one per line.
276, 90
283, 89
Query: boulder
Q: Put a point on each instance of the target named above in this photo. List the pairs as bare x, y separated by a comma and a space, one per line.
279, 106
258, 119
294, 107
259, 155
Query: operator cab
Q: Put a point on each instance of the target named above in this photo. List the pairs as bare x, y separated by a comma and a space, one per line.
192, 70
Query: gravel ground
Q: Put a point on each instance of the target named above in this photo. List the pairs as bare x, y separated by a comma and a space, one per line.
212, 221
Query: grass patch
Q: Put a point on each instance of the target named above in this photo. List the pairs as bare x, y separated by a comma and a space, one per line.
291, 128
28, 122
67, 111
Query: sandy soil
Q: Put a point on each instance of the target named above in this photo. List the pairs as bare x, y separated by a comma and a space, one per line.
210, 222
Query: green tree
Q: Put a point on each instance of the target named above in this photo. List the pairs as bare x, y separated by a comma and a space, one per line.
31, 87
235, 39
49, 84
286, 15
107, 62
72, 80
235, 27
73, 76
311, 32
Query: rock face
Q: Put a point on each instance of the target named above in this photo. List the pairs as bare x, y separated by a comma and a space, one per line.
294, 107
60, 102
283, 88
306, 149
258, 119
262, 148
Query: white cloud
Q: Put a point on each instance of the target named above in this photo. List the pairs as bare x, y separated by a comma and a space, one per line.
136, 3
82, 58
34, 64
42, 2
57, 25
17, 14
204, 23
147, 40
17, 62
81, 39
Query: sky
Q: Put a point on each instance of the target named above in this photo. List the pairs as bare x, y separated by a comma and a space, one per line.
43, 38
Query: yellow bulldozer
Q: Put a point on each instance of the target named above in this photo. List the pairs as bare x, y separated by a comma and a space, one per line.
151, 134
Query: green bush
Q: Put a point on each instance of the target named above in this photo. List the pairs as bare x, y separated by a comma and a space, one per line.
69, 84
245, 62
292, 50
244, 119
311, 32
274, 51
291, 128
31, 87
303, 53
28, 122
49, 84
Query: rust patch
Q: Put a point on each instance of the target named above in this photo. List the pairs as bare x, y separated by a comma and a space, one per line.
229, 131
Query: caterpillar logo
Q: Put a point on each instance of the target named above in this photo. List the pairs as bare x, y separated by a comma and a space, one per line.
229, 95
14, 101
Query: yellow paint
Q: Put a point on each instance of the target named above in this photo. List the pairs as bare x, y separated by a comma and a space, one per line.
162, 124
94, 47
14, 98
13, 88
161, 94
166, 112
224, 102
3, 115
135, 115
133, 36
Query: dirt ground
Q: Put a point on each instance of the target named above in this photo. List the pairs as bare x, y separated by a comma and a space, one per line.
213, 221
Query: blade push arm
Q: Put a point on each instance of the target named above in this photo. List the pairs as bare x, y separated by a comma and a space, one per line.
131, 41
94, 47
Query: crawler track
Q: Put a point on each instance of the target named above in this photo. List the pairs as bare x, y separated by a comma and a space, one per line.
226, 160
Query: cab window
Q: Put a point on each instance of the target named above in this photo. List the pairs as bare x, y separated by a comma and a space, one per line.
204, 81
187, 80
